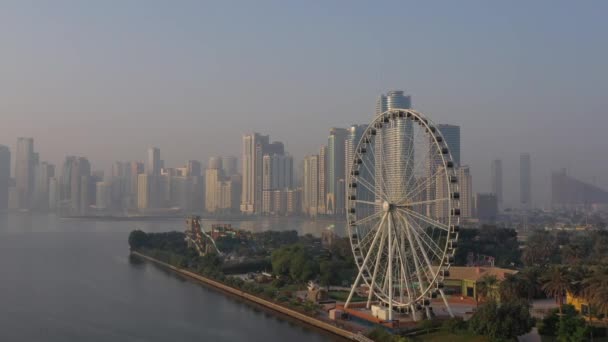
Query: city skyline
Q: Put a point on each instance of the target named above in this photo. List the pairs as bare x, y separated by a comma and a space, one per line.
504, 89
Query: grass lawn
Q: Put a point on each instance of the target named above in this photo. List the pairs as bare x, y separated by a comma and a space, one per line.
446, 336
343, 295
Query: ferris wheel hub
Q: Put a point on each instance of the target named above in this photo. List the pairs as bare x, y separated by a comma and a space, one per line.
387, 206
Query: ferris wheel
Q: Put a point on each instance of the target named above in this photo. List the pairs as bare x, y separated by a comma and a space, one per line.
402, 211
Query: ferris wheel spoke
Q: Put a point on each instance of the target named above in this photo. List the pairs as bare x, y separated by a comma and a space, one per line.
366, 202
369, 235
416, 231
423, 186
428, 220
371, 188
381, 184
409, 174
422, 249
403, 262
410, 204
371, 246
422, 232
368, 218
416, 261
417, 247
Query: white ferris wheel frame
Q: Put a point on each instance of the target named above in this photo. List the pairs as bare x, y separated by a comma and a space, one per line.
399, 219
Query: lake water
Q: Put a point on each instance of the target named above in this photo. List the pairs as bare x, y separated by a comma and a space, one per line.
73, 280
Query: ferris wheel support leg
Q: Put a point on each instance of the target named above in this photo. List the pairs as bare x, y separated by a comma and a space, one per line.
352, 290
376, 267
447, 305
390, 268
414, 313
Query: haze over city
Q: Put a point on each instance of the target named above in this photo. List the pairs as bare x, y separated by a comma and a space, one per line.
107, 80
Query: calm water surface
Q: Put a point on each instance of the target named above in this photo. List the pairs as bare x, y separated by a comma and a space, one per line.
73, 280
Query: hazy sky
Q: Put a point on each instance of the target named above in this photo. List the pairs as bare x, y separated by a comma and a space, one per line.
107, 79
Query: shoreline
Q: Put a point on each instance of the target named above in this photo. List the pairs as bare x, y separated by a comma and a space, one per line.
311, 321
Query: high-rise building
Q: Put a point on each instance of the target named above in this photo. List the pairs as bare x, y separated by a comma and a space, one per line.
335, 170
24, 171
53, 193
322, 181
394, 99
465, 184
310, 190
80, 177
153, 163
497, 180
213, 178
451, 134
277, 171
229, 165
253, 152
486, 207
193, 168
135, 169
5, 176
524, 181
355, 132
255, 146
214, 163
102, 194
143, 191
44, 172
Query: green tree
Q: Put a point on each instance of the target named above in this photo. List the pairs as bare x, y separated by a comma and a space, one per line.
540, 249
513, 287
556, 283
137, 239
571, 327
505, 321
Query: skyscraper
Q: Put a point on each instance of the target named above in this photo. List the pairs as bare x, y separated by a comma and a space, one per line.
229, 165
486, 207
277, 171
394, 145
335, 170
194, 168
322, 180
465, 184
451, 134
44, 172
310, 191
143, 191
497, 180
214, 163
213, 178
75, 192
525, 196
253, 152
24, 171
255, 146
5, 176
394, 99
153, 163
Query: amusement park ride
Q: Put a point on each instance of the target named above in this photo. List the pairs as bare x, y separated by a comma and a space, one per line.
198, 238
402, 213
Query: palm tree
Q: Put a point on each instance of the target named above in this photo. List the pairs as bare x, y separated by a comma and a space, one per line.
486, 288
595, 290
556, 283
